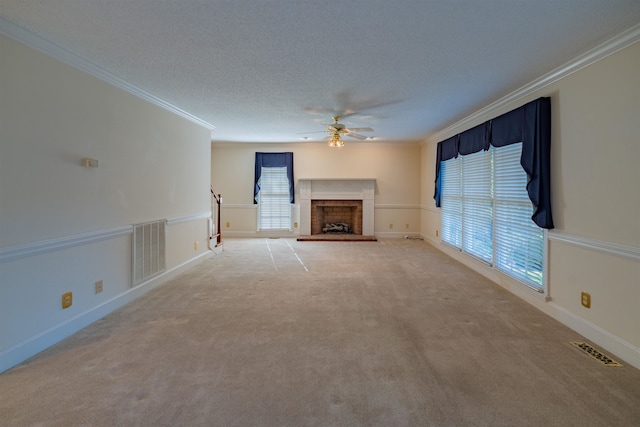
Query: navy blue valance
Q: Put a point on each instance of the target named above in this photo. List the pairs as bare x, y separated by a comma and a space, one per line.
474, 140
273, 160
529, 124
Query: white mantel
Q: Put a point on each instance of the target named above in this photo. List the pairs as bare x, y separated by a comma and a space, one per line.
337, 189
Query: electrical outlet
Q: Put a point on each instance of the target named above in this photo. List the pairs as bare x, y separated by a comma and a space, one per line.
437, 233
390, 225
67, 299
98, 286
196, 245
406, 226
89, 163
295, 225
228, 224
585, 299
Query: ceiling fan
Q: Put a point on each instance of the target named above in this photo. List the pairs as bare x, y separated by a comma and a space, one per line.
336, 130
347, 104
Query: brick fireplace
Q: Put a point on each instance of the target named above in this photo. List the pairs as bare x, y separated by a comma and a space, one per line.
337, 200
336, 211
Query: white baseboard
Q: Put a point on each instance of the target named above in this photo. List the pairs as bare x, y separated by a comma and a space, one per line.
260, 234
22, 351
295, 234
619, 348
394, 234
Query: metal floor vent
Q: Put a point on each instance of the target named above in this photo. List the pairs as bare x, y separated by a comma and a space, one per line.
596, 354
148, 250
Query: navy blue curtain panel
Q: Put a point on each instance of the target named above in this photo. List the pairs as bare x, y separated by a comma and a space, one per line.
529, 124
447, 149
273, 160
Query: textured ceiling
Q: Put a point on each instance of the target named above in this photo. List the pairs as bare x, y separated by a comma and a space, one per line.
267, 71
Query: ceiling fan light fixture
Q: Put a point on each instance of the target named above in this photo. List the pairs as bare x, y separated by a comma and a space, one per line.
336, 141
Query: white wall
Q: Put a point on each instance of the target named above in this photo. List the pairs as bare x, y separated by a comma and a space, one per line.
62, 226
595, 161
396, 168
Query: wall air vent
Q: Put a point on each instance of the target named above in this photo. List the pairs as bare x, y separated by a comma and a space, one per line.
148, 250
596, 354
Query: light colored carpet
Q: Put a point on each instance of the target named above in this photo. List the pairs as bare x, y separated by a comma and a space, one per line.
275, 332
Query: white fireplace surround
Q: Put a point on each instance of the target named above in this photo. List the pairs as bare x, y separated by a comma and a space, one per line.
337, 189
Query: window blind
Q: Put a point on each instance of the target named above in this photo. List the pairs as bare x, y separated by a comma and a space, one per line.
486, 212
274, 202
477, 205
451, 197
519, 241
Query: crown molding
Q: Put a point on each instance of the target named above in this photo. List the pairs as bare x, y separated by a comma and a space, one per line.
49, 48
603, 50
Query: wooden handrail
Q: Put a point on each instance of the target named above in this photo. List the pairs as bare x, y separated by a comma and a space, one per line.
218, 199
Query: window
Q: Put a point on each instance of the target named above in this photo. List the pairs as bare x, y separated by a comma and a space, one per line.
477, 205
452, 203
273, 190
486, 212
274, 207
519, 241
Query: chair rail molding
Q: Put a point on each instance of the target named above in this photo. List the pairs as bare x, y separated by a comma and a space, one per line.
610, 248
12, 253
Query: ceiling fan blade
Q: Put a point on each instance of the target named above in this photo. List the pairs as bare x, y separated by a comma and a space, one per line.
349, 105
357, 136
304, 133
319, 110
343, 104
360, 129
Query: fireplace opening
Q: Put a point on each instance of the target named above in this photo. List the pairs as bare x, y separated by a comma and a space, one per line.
337, 228
336, 217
